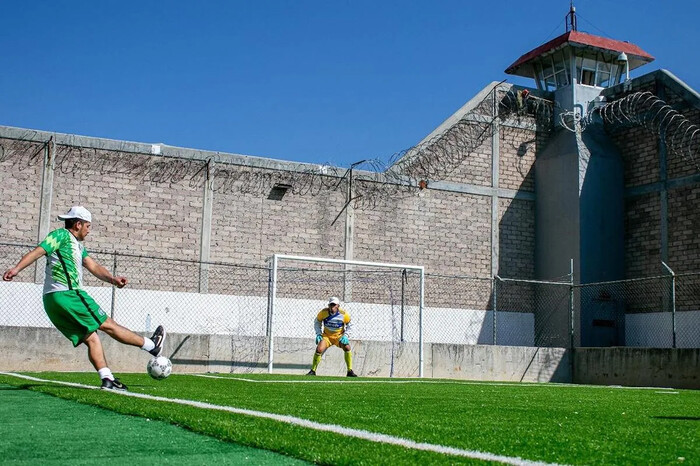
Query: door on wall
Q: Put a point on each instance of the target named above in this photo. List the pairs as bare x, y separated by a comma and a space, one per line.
604, 322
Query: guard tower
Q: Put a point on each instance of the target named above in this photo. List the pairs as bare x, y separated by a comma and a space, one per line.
579, 176
577, 66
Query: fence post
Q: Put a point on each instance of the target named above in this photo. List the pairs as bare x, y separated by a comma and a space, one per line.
495, 305
114, 288
403, 301
271, 316
673, 302
46, 193
421, 308
571, 304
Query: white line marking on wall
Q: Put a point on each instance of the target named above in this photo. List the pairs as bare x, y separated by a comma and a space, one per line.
336, 429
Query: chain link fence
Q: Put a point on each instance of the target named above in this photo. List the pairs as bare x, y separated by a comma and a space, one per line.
458, 310
383, 305
533, 313
191, 297
653, 312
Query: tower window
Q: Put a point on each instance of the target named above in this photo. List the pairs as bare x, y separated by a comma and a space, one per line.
587, 71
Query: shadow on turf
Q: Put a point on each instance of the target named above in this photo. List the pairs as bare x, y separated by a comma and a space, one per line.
26, 386
29, 386
12, 387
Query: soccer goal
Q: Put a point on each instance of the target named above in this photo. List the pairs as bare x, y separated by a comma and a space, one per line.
384, 300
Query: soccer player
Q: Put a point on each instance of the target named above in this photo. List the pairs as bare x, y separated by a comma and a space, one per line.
69, 307
336, 325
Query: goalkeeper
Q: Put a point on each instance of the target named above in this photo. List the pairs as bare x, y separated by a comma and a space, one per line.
336, 325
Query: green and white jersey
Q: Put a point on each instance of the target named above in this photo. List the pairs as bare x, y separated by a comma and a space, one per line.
64, 261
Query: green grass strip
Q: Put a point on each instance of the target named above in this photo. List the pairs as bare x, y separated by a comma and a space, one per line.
40, 429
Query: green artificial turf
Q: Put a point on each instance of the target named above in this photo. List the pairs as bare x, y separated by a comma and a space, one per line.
540, 422
41, 429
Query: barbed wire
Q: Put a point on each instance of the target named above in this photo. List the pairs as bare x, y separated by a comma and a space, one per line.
374, 181
646, 110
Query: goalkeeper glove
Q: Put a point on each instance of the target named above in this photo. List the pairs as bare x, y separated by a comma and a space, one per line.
344, 340
318, 339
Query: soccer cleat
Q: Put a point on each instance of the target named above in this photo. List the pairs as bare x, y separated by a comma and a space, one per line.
351, 373
311, 372
158, 338
113, 385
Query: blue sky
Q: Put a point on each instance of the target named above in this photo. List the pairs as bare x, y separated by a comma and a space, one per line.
309, 81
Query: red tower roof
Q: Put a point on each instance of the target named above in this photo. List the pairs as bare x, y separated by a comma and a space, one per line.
636, 56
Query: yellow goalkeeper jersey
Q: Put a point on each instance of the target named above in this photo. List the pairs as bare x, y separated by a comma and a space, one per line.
333, 324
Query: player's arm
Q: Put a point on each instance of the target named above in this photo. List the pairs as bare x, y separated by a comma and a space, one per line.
26, 260
317, 326
102, 273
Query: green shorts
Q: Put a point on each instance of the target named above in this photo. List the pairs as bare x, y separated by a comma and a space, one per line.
74, 313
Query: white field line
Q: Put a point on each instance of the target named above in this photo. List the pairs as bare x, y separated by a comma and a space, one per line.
336, 429
442, 382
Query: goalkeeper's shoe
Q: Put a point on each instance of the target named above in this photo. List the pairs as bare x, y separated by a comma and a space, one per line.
115, 384
351, 373
158, 338
311, 372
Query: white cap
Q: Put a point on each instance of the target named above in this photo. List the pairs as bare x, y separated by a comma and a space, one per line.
333, 300
79, 212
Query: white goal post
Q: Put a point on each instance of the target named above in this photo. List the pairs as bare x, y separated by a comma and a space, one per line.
275, 261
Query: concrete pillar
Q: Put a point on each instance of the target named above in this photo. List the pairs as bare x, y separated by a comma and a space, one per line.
45, 200
205, 238
349, 244
495, 165
663, 193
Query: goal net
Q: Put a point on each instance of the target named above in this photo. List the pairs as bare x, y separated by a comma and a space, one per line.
385, 303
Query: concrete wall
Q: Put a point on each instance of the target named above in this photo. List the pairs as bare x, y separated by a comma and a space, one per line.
675, 368
50, 351
557, 212
647, 367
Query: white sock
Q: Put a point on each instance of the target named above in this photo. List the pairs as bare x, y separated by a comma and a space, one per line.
148, 344
105, 373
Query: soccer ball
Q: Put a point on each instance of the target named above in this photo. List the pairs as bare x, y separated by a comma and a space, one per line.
159, 368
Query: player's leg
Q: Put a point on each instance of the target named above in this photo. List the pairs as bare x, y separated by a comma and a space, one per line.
97, 358
96, 354
348, 359
78, 316
153, 345
320, 349
121, 334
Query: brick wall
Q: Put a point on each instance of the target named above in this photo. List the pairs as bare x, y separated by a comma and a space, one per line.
445, 232
476, 169
21, 189
684, 229
639, 150
133, 216
643, 242
448, 232
517, 238
684, 163
249, 228
642, 236
517, 157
